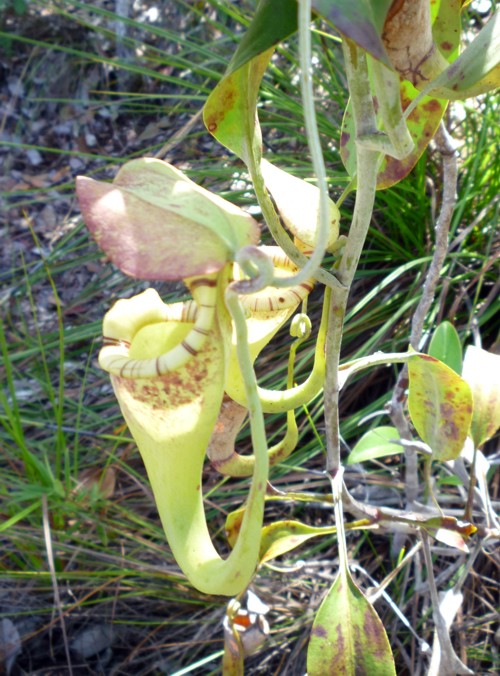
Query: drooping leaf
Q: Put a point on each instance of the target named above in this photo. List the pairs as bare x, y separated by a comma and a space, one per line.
348, 636
440, 406
230, 110
424, 120
376, 443
481, 370
360, 20
450, 531
155, 223
445, 345
281, 537
275, 20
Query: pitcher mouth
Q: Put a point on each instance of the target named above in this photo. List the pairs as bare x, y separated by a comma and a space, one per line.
127, 317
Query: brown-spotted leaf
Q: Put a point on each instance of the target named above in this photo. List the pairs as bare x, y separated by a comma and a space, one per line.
422, 124
424, 120
348, 636
230, 113
298, 203
440, 406
481, 370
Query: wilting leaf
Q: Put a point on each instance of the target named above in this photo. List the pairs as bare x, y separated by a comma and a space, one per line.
348, 636
450, 531
155, 223
282, 536
424, 120
481, 370
440, 406
445, 346
233, 659
376, 443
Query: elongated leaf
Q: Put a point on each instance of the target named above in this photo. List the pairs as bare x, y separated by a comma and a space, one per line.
376, 443
481, 370
447, 27
348, 636
477, 70
424, 120
445, 345
360, 20
230, 111
440, 406
273, 22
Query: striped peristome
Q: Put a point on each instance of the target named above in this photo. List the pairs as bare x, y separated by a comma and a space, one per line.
273, 299
114, 355
120, 329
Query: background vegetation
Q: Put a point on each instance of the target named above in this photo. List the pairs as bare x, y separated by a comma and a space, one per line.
87, 583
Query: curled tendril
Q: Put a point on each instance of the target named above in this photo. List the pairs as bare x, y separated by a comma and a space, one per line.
259, 268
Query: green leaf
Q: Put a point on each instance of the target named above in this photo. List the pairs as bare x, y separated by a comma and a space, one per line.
273, 22
440, 406
376, 443
445, 345
230, 111
481, 370
348, 636
360, 20
447, 27
476, 71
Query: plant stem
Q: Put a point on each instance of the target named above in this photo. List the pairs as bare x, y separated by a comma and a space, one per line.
367, 161
395, 408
